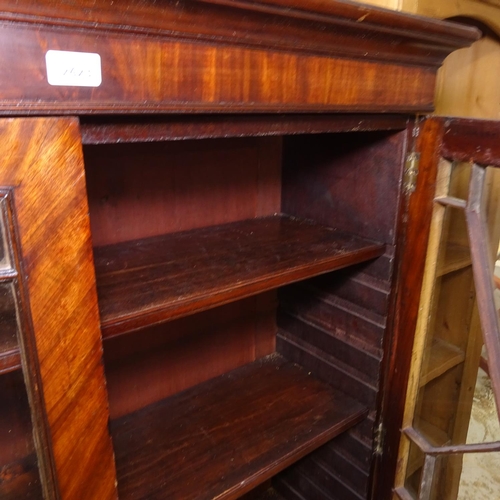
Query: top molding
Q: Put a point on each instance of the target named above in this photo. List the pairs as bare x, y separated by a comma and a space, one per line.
224, 55
331, 27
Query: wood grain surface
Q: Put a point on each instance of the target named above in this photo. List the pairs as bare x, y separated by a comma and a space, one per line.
149, 74
333, 28
413, 248
472, 141
160, 361
139, 129
223, 438
181, 185
42, 162
147, 281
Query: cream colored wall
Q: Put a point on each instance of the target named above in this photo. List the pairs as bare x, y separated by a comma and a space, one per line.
487, 11
469, 83
388, 4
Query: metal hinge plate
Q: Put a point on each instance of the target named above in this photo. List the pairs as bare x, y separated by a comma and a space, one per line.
411, 172
379, 439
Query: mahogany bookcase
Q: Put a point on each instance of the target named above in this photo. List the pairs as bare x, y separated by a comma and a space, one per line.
213, 245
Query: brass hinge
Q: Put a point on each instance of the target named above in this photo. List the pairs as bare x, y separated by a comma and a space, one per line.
411, 172
379, 439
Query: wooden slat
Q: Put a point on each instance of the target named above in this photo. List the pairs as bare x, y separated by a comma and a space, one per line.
441, 357
472, 141
224, 437
265, 494
455, 257
357, 361
10, 361
147, 281
153, 129
342, 319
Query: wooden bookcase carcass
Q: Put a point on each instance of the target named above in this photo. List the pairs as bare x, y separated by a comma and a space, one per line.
213, 251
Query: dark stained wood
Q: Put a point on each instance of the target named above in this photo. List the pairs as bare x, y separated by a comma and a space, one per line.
360, 327
183, 185
42, 162
10, 361
351, 474
328, 27
226, 436
322, 480
177, 127
20, 480
19, 476
363, 14
353, 359
147, 281
263, 492
205, 60
166, 359
472, 141
354, 179
350, 181
327, 368
412, 247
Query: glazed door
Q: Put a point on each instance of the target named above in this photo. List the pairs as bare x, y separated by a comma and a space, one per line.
457, 317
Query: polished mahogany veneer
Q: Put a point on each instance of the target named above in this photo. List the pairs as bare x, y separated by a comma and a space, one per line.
224, 56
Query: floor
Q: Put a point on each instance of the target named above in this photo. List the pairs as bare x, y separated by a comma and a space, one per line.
481, 472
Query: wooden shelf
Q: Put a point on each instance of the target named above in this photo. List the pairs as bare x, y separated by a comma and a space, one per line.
147, 281
441, 357
224, 437
20, 480
455, 257
10, 361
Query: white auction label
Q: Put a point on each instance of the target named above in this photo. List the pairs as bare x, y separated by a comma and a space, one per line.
73, 69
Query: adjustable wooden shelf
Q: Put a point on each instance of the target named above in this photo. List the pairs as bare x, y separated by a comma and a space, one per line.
215, 250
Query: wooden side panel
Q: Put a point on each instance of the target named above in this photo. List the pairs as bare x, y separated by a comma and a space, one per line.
42, 161
345, 181
413, 243
336, 325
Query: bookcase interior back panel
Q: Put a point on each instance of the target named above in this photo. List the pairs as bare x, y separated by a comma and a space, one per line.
333, 325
